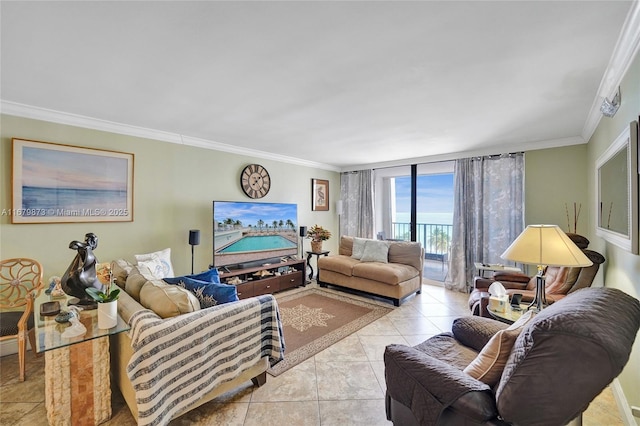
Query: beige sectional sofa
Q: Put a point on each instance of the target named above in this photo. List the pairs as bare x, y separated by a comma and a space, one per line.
390, 269
175, 308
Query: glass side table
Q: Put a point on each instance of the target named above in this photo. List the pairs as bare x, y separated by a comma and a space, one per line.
510, 315
77, 370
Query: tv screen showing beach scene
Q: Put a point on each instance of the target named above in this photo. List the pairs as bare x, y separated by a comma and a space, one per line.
246, 232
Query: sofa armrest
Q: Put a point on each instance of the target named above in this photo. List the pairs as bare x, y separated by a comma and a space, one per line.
511, 277
482, 284
427, 386
475, 331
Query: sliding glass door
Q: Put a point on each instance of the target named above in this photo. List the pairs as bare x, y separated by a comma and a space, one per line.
415, 203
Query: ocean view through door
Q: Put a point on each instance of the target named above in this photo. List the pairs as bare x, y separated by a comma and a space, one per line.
434, 211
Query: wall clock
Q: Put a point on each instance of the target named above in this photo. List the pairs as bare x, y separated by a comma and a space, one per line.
255, 181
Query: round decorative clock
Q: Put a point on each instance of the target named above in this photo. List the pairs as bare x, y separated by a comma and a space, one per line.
255, 181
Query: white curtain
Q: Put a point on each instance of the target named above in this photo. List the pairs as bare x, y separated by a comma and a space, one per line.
356, 189
488, 213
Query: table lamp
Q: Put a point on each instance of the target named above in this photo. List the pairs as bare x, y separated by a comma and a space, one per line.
544, 245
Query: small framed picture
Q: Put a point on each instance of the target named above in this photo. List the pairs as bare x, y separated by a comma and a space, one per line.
319, 195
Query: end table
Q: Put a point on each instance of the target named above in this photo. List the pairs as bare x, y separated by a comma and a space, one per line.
317, 254
77, 369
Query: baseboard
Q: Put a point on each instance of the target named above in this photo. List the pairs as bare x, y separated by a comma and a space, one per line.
10, 347
623, 405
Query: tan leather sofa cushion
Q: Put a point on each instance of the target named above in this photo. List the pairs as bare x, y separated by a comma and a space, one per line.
346, 246
341, 264
388, 273
167, 300
407, 253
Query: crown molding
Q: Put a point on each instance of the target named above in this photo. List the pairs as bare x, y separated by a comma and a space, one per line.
58, 117
625, 51
492, 150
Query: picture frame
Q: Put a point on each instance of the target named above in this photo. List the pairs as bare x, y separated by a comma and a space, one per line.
57, 183
319, 195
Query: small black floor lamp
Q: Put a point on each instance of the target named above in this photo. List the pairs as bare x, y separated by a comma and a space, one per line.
303, 233
194, 240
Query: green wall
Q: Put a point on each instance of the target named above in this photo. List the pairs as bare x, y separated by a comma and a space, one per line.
555, 179
622, 269
566, 175
174, 186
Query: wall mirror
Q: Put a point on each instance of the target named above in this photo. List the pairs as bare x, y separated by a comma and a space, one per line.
617, 191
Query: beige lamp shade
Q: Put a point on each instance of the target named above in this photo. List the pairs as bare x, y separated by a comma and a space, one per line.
545, 245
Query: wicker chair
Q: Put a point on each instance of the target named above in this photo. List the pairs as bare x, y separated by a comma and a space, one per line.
20, 284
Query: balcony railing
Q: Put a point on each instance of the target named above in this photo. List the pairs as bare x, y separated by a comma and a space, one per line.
435, 238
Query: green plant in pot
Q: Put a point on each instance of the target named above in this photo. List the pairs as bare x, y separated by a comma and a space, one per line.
317, 234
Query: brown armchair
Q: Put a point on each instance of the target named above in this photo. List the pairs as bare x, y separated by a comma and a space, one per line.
559, 281
558, 363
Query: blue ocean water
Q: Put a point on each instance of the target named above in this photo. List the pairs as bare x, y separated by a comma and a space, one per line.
445, 218
262, 242
57, 200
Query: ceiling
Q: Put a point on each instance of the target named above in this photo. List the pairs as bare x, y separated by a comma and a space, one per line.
342, 85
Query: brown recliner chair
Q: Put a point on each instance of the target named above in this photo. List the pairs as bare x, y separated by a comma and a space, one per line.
559, 281
560, 361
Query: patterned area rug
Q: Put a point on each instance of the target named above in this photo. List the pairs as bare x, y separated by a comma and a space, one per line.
315, 319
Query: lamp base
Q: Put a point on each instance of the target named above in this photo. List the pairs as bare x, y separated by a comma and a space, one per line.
540, 300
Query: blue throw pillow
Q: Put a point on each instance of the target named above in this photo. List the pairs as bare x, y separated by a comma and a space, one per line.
208, 293
209, 276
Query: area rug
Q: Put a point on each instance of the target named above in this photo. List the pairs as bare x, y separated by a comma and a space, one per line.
314, 319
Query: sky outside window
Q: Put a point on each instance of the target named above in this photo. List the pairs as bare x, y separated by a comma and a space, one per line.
435, 199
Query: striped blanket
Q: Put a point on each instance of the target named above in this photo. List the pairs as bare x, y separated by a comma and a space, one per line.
178, 360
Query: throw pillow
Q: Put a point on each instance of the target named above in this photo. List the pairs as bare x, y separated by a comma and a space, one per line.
358, 247
209, 276
137, 278
208, 293
158, 262
121, 269
522, 321
490, 362
375, 251
167, 300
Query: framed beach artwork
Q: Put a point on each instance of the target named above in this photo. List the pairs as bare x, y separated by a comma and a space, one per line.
319, 195
55, 183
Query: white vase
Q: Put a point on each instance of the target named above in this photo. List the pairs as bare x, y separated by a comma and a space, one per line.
107, 314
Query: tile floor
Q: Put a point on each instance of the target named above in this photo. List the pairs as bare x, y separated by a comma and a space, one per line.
343, 385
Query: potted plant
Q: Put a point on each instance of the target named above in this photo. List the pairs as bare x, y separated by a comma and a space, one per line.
107, 300
317, 234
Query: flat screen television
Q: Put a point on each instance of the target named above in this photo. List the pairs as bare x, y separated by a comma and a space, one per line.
248, 234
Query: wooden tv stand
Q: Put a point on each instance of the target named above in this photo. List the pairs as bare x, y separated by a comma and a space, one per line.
264, 279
